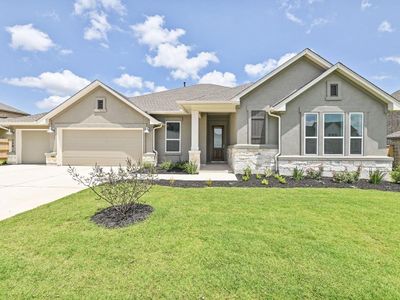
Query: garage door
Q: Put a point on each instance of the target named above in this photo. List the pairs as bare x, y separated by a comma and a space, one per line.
34, 146
104, 147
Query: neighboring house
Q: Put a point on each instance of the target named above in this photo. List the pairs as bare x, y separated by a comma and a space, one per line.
394, 131
7, 111
306, 113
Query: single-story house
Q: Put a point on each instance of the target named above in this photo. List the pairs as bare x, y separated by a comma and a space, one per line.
306, 113
7, 111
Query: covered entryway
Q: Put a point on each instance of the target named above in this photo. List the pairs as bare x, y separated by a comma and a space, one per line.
105, 147
217, 137
34, 145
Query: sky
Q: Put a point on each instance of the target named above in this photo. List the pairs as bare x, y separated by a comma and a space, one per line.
51, 49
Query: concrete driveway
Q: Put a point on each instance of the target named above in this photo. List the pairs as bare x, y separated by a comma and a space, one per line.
23, 187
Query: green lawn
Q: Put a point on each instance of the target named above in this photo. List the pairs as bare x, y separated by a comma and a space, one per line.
216, 243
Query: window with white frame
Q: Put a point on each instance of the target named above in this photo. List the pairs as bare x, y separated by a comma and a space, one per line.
333, 133
173, 136
310, 133
258, 127
356, 133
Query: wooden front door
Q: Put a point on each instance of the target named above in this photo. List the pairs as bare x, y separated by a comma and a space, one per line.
218, 147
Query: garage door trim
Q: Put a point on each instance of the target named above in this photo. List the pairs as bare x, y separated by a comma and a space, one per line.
60, 138
18, 141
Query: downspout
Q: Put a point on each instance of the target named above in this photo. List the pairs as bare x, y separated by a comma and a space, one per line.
154, 142
270, 110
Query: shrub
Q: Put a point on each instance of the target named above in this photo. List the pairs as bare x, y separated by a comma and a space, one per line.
209, 183
268, 172
395, 174
264, 181
3, 162
167, 165
315, 174
258, 176
245, 178
280, 178
346, 176
376, 176
247, 171
180, 165
121, 188
298, 174
190, 167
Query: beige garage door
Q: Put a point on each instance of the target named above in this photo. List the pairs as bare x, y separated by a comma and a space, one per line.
104, 147
34, 146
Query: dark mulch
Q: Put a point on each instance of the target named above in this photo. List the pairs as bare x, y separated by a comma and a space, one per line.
110, 218
171, 171
290, 183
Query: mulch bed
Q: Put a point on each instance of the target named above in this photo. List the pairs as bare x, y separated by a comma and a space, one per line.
110, 218
290, 183
171, 171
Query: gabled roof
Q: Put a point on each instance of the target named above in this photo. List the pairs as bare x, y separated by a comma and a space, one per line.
392, 103
396, 95
8, 108
308, 53
168, 101
87, 90
25, 120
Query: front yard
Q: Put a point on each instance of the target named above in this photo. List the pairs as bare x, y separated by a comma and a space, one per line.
212, 243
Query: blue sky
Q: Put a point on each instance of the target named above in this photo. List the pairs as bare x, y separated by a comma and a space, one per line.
51, 49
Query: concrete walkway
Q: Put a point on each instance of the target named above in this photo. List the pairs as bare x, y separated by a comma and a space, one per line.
24, 187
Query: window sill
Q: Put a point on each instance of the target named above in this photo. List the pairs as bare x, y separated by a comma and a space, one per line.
336, 98
100, 110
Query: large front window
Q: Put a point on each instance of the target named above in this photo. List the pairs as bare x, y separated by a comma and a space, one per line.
356, 133
258, 127
173, 136
333, 133
311, 133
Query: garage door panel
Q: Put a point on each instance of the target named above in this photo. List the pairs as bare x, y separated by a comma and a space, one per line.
35, 143
104, 147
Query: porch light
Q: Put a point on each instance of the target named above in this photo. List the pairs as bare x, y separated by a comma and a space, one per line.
50, 130
147, 130
9, 132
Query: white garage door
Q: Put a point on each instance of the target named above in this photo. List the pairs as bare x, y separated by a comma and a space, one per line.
35, 143
104, 147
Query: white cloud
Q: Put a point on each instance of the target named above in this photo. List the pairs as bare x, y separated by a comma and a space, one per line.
114, 5
83, 6
267, 66
58, 83
152, 33
381, 77
291, 17
316, 23
98, 28
216, 77
50, 102
66, 51
385, 26
395, 59
129, 81
365, 4
169, 52
28, 38
160, 88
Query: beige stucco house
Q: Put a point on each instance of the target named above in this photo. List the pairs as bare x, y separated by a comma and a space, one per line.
7, 111
306, 113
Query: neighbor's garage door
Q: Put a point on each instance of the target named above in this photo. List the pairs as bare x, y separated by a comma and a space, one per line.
34, 146
104, 147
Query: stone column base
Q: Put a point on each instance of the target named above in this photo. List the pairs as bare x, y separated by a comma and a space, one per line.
149, 158
51, 158
12, 159
194, 157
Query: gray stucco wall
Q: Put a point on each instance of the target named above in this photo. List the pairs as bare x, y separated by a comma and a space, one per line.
282, 84
353, 99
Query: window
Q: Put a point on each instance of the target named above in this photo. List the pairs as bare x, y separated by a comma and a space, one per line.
310, 133
333, 133
334, 90
173, 136
356, 133
100, 104
258, 127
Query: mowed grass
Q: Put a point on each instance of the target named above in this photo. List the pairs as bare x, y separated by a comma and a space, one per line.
216, 243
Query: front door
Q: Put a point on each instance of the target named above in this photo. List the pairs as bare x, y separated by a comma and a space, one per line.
218, 143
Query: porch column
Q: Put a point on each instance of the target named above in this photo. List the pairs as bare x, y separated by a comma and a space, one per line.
194, 153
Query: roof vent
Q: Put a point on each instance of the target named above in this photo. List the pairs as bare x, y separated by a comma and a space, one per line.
184, 84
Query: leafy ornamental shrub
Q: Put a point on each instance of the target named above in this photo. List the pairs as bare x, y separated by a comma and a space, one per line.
167, 165
3, 162
376, 176
180, 165
315, 174
346, 176
395, 174
121, 188
280, 178
247, 171
245, 178
268, 172
258, 176
298, 174
190, 167
264, 181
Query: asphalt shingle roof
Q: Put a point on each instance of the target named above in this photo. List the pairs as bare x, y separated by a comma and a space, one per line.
30, 118
5, 107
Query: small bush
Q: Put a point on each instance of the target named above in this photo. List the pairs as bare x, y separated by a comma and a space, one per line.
264, 181
280, 178
167, 165
298, 174
346, 176
190, 167
268, 172
3, 162
395, 174
209, 183
315, 174
376, 176
247, 172
180, 165
258, 176
245, 178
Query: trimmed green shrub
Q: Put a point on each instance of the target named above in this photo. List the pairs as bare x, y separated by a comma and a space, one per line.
258, 176
395, 174
167, 165
298, 174
264, 181
346, 176
245, 178
247, 171
376, 176
180, 165
280, 178
190, 167
315, 174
